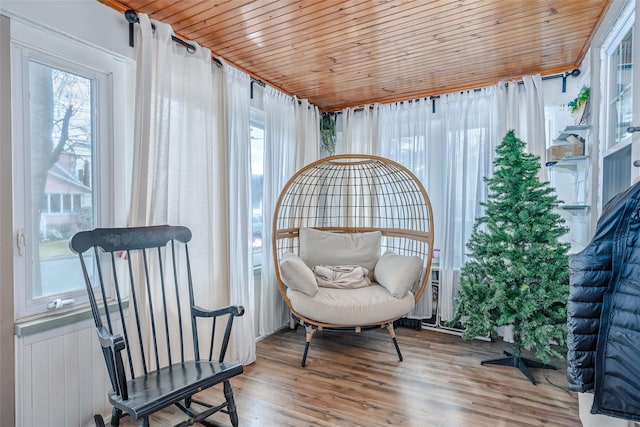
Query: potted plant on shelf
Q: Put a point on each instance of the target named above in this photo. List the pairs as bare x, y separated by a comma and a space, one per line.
328, 133
579, 105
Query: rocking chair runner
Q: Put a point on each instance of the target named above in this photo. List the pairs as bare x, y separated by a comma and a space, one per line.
360, 199
156, 377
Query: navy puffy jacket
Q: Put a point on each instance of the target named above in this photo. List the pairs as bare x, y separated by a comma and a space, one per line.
603, 311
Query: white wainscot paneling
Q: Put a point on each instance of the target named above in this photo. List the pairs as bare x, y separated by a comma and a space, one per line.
61, 379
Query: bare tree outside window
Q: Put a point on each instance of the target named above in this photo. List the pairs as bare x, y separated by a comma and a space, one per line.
61, 116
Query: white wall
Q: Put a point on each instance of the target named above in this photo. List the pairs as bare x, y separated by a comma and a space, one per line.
59, 375
86, 20
556, 101
6, 241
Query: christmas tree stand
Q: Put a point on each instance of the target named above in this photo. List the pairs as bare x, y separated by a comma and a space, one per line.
521, 363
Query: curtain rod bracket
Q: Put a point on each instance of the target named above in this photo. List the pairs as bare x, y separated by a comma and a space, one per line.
132, 17
574, 73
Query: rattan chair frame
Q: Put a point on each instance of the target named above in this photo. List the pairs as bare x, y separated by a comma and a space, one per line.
355, 193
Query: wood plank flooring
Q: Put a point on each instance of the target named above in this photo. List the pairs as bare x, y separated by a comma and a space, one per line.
357, 380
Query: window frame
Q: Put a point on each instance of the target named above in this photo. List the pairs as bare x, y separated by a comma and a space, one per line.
29, 43
614, 156
610, 48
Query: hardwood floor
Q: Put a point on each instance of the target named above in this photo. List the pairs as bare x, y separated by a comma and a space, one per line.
357, 380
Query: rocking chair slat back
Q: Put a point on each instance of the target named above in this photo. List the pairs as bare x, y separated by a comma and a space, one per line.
148, 255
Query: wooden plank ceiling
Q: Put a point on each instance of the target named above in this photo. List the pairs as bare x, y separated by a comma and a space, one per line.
341, 54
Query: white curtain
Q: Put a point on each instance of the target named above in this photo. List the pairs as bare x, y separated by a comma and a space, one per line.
307, 133
176, 146
521, 107
476, 122
471, 137
237, 98
359, 131
404, 130
455, 148
279, 165
411, 134
292, 140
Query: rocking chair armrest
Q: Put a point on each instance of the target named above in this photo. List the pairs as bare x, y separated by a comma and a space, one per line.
114, 344
107, 339
234, 310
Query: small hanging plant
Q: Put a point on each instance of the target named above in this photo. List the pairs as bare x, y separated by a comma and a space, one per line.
579, 100
328, 133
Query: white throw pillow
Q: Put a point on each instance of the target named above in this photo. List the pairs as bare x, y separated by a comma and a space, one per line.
325, 248
296, 275
398, 273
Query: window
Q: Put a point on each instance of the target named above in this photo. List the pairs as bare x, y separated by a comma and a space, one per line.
62, 144
257, 179
618, 77
71, 202
256, 132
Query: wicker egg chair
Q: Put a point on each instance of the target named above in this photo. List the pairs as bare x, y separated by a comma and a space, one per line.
355, 194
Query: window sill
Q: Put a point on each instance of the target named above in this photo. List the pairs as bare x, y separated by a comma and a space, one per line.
43, 324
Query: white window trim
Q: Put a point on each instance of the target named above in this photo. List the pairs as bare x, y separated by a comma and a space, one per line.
111, 76
610, 44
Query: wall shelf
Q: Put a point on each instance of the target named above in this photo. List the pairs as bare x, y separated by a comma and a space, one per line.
573, 207
570, 177
566, 161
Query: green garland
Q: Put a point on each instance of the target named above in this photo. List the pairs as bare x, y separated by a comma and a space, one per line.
579, 100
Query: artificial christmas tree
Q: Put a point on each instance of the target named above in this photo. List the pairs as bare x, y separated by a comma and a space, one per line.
517, 273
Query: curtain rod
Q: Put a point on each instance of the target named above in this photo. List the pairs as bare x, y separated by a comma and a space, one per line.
132, 18
573, 73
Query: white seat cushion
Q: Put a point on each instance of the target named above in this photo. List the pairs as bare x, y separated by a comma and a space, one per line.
351, 307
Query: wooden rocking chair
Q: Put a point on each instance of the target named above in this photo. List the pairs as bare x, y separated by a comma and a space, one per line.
148, 272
